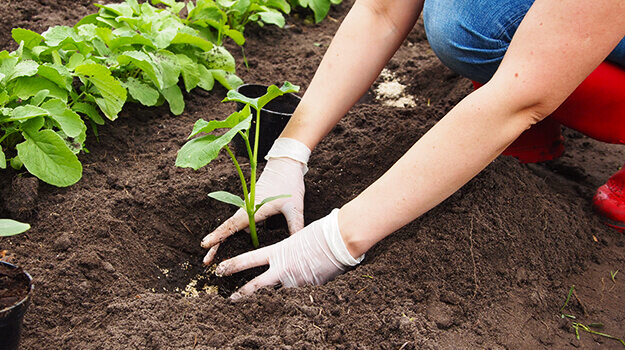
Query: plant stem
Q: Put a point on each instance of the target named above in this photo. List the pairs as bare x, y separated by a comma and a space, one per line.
253, 166
249, 200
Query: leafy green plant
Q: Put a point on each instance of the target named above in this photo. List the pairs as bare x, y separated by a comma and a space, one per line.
219, 18
200, 151
126, 52
10, 227
320, 8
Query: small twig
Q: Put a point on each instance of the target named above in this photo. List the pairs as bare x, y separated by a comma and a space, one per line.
358, 292
404, 345
473, 258
185, 226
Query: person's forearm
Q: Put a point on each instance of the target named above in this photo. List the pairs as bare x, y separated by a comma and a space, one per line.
557, 45
364, 43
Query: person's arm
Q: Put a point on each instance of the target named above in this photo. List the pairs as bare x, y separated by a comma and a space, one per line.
556, 46
367, 39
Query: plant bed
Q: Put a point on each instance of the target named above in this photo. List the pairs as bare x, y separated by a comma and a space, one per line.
489, 268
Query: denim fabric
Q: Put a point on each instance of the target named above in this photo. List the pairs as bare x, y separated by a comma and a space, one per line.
472, 36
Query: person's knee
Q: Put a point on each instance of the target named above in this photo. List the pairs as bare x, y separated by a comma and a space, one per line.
471, 37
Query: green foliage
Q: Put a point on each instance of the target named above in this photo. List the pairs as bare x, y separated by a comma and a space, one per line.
125, 52
59, 81
10, 227
200, 151
320, 8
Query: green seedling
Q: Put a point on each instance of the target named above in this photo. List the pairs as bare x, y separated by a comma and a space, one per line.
578, 326
10, 227
200, 151
613, 275
568, 298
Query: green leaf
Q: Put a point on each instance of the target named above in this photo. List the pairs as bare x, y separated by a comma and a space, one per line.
228, 198
202, 126
45, 155
25, 112
235, 35
190, 72
272, 17
207, 82
202, 150
88, 110
168, 66
25, 68
269, 199
174, 97
10, 227
188, 39
30, 38
145, 63
59, 75
136, 39
144, 93
113, 94
122, 9
229, 81
320, 8
3, 160
68, 120
26, 87
220, 58
57, 34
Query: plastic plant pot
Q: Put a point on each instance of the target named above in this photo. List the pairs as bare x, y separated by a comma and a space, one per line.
273, 118
11, 316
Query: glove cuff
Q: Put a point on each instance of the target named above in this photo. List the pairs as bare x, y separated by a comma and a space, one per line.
335, 241
290, 148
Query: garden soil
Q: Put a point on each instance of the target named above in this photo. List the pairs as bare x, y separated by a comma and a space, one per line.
117, 264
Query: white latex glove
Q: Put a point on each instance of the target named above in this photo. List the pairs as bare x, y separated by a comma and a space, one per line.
313, 256
283, 174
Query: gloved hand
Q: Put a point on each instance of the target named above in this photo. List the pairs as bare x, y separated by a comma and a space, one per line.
283, 174
314, 256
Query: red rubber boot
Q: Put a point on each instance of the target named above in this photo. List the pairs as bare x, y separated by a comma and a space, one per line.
597, 109
609, 201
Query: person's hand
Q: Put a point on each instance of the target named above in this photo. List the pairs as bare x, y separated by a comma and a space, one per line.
283, 174
313, 256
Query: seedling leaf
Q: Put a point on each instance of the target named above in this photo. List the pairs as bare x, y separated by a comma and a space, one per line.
269, 199
202, 150
228, 198
10, 227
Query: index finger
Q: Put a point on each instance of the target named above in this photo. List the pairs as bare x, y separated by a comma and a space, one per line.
234, 224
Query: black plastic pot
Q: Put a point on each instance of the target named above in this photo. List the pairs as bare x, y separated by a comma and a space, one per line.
273, 118
11, 317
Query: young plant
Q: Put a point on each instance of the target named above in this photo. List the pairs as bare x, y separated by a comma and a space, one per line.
200, 151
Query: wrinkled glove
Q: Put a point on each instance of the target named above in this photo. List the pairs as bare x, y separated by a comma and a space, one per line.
283, 174
313, 256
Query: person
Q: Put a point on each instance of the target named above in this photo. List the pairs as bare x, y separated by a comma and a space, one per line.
529, 56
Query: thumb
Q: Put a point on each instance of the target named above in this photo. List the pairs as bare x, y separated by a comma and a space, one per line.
294, 217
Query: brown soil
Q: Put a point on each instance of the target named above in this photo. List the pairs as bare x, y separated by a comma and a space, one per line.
490, 268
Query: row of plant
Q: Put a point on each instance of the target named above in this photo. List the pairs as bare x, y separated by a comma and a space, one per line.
59, 82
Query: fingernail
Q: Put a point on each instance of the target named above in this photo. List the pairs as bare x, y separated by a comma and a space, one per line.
236, 296
219, 271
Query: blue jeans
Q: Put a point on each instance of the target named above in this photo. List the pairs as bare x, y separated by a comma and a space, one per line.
472, 36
